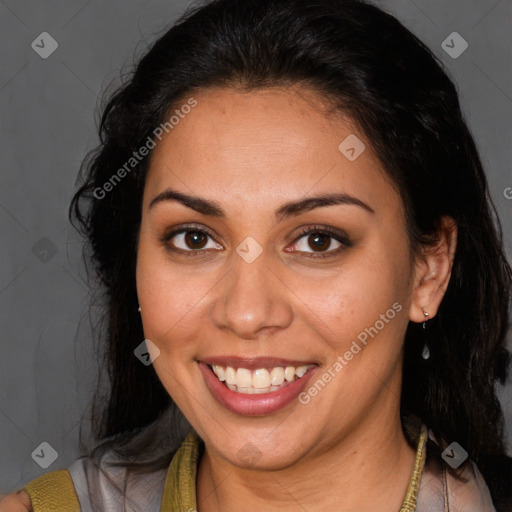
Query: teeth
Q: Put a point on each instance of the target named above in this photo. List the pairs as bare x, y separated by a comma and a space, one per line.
243, 378
261, 379
277, 376
230, 375
301, 371
219, 371
258, 381
289, 373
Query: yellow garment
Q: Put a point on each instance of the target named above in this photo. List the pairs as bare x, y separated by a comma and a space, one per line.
55, 492
180, 483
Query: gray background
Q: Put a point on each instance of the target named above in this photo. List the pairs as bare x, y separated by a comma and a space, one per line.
47, 366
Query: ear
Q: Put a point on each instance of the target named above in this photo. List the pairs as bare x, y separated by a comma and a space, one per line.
432, 272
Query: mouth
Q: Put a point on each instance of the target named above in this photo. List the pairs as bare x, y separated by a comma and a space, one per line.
255, 387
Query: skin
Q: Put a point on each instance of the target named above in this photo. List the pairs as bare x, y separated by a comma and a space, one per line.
250, 152
16, 502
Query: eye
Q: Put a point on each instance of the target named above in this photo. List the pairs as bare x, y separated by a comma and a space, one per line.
189, 239
319, 239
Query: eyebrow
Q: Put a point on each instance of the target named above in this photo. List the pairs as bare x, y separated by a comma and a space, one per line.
289, 209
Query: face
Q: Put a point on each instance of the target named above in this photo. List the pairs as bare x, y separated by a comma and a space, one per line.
300, 304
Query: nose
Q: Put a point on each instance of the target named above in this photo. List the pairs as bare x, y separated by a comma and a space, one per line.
252, 300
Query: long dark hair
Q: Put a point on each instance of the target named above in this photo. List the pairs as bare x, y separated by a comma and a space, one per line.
373, 69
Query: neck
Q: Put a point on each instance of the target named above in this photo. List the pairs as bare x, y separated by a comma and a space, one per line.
367, 469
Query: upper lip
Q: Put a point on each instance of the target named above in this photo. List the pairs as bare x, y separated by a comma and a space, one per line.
253, 363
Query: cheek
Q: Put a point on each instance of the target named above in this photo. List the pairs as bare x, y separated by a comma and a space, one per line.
170, 297
171, 304
357, 296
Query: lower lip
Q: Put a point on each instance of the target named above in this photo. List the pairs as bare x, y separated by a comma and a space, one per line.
253, 405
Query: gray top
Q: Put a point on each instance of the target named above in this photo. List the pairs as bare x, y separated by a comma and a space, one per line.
101, 488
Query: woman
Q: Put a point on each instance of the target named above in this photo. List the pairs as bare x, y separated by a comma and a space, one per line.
288, 208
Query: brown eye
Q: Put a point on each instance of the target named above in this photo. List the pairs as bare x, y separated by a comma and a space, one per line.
318, 242
189, 240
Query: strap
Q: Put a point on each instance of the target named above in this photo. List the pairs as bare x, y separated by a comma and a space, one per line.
411, 496
53, 492
180, 483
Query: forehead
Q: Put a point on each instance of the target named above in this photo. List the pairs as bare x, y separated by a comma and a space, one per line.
266, 143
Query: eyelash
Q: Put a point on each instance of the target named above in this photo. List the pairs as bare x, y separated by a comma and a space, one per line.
321, 230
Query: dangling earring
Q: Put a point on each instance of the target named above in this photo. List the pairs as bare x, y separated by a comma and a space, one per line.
139, 309
426, 352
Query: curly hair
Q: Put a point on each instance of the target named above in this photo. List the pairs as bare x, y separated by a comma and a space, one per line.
377, 72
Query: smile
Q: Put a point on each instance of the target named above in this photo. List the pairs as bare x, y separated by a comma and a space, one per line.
255, 387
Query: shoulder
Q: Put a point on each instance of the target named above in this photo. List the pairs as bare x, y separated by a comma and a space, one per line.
102, 481
51, 492
442, 490
97, 485
103, 486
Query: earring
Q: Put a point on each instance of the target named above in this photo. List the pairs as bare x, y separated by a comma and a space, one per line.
139, 309
424, 313
426, 352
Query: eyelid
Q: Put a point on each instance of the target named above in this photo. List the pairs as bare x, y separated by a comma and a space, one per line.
170, 233
339, 235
